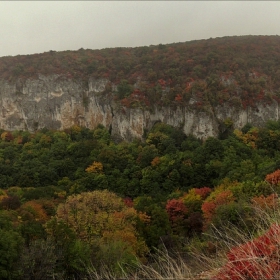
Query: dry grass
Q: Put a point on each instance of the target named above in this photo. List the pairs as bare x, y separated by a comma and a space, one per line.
161, 266
199, 265
252, 257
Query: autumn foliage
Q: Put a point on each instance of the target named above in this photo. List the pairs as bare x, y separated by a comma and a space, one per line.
203, 192
273, 178
95, 167
256, 259
266, 202
176, 210
81, 196
221, 197
101, 216
211, 72
36, 210
177, 213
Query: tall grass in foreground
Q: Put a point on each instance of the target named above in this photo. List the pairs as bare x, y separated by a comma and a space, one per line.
251, 254
161, 266
248, 254
256, 256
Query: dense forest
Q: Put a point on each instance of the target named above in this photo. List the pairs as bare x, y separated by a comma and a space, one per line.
74, 204
74, 201
240, 71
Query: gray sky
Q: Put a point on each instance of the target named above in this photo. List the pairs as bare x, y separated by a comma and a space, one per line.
28, 27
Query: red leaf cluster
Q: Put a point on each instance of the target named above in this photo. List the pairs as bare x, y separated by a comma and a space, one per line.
128, 201
176, 209
179, 98
273, 178
136, 97
203, 192
268, 202
256, 259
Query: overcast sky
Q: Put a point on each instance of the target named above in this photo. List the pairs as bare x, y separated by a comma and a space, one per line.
28, 27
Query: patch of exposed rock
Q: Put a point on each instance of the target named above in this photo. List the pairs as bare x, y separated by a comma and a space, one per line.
57, 102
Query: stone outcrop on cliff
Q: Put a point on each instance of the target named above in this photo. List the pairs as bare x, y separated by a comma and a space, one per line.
58, 102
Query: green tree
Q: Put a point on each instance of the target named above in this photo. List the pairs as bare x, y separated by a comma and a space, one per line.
10, 248
124, 89
157, 226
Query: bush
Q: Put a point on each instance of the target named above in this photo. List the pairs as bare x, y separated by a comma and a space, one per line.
256, 259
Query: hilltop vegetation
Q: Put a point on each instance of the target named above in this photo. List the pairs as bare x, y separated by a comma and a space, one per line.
93, 204
240, 71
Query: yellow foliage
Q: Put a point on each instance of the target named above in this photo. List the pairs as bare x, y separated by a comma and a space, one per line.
36, 209
2, 196
4, 135
61, 194
95, 167
156, 138
192, 200
144, 217
248, 138
7, 136
76, 129
103, 216
139, 247
191, 195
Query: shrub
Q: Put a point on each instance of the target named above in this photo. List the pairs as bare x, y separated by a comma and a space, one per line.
256, 259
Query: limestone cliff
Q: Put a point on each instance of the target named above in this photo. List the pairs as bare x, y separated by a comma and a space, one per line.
58, 102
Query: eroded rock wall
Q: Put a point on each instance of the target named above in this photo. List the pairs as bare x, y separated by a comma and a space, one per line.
54, 102
57, 102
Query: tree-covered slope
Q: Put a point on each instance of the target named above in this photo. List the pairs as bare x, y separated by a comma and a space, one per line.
90, 204
240, 70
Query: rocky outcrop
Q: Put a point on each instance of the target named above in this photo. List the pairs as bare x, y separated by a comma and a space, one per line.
57, 102
54, 102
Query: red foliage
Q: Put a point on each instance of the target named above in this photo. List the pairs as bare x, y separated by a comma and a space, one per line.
162, 82
176, 209
273, 178
179, 98
224, 197
208, 209
198, 104
128, 201
269, 202
136, 96
203, 192
257, 259
125, 102
255, 75
7, 136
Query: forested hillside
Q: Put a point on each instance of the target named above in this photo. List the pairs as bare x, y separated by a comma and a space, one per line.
89, 204
239, 70
74, 204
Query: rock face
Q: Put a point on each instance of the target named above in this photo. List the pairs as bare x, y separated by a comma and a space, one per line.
54, 102
57, 102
